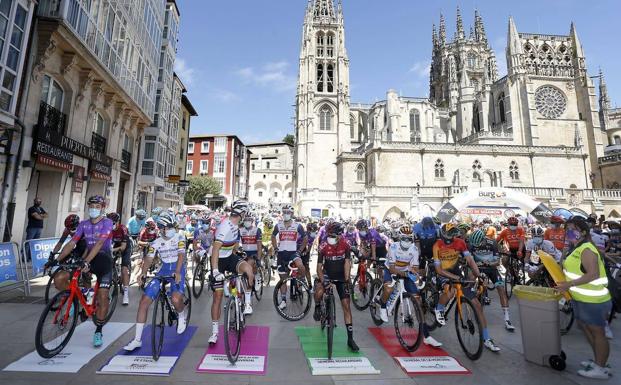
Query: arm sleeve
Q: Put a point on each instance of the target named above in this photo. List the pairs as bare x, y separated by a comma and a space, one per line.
436, 252
301, 231
275, 231
78, 233
259, 236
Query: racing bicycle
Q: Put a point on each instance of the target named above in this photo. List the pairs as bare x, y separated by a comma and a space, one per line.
298, 296
234, 321
328, 313
164, 313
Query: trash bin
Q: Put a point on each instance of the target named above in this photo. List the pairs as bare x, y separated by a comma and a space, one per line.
540, 322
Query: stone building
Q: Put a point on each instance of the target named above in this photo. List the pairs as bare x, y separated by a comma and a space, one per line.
536, 129
271, 173
187, 112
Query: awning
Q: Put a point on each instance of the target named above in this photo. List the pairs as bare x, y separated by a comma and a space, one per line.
54, 162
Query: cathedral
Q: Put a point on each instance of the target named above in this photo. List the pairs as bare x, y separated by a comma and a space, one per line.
538, 130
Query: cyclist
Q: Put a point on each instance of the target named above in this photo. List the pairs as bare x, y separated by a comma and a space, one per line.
224, 258
170, 246
513, 237
121, 243
426, 233
351, 235
555, 233
489, 229
311, 233
71, 224
251, 243
403, 262
190, 229
333, 267
266, 234
202, 239
61, 280
447, 252
464, 230
155, 213
97, 232
485, 253
285, 243
136, 223
372, 245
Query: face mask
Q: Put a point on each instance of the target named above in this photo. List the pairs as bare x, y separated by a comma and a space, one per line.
572, 235
362, 233
170, 233
406, 244
537, 240
37, 204
512, 228
332, 241
94, 213
314, 234
286, 217
247, 224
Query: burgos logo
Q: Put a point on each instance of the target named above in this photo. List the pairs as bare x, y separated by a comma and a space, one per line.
492, 194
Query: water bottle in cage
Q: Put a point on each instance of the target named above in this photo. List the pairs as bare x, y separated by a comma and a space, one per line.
226, 289
393, 296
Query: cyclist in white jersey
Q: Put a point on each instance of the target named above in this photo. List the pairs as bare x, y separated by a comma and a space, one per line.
170, 246
250, 236
224, 258
535, 244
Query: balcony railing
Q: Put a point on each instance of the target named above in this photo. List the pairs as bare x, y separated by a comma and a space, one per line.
51, 119
126, 158
493, 135
609, 159
98, 143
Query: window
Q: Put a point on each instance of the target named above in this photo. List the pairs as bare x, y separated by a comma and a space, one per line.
414, 126
439, 169
320, 78
330, 86
204, 147
264, 176
330, 45
287, 177
476, 123
360, 173
501, 108
352, 127
320, 44
147, 167
220, 144
290, 194
275, 177
471, 60
191, 148
276, 151
204, 166
476, 177
617, 139
476, 165
100, 125
189, 167
219, 165
260, 194
9, 67
325, 118
514, 172
267, 165
52, 93
275, 194
252, 165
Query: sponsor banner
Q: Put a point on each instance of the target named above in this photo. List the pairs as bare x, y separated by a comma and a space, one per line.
482, 211
77, 353
8, 263
42, 159
341, 366
316, 213
40, 250
141, 362
426, 360
99, 168
252, 357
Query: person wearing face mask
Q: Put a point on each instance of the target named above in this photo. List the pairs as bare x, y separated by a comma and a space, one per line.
170, 247
155, 213
311, 234
403, 261
556, 233
333, 267
97, 232
587, 283
426, 233
61, 278
513, 237
372, 244
251, 243
122, 244
598, 238
351, 235
285, 240
136, 223
538, 242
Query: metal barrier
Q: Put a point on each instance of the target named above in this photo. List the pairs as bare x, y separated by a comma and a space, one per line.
39, 251
13, 270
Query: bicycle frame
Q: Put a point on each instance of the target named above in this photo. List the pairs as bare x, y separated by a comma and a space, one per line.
74, 290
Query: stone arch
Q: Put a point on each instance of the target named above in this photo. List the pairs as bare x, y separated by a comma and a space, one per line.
275, 191
614, 214
394, 213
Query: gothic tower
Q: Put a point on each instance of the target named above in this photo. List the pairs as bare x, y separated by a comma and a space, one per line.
322, 100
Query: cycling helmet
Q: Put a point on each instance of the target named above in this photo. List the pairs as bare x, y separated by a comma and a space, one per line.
537, 231
448, 231
312, 227
97, 199
405, 231
362, 224
72, 221
268, 221
114, 217
513, 221
436, 220
427, 222
165, 221
240, 208
141, 214
464, 227
150, 224
286, 207
381, 229
335, 228
557, 219
156, 211
476, 238
250, 217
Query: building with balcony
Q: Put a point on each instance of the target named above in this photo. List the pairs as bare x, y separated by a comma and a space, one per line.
89, 94
271, 174
226, 159
160, 140
187, 112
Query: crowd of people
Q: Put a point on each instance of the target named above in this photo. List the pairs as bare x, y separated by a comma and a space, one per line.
404, 248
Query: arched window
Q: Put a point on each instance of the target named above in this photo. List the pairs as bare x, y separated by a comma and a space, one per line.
617, 139
360, 173
414, 126
320, 44
52, 93
439, 169
99, 133
501, 108
267, 165
471, 60
330, 82
330, 45
320, 77
476, 177
476, 123
514, 171
325, 118
352, 127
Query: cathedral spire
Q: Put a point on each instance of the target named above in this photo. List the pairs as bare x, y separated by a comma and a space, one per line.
604, 102
323, 9
578, 52
434, 36
442, 30
459, 32
479, 27
472, 35
514, 49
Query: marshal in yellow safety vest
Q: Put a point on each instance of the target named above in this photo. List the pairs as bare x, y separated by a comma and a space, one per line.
591, 292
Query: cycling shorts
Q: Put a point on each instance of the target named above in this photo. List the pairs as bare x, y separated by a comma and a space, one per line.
492, 273
410, 286
126, 256
341, 287
229, 264
101, 266
153, 288
305, 258
284, 257
251, 254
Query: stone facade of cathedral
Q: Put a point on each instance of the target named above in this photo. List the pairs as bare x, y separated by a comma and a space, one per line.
540, 129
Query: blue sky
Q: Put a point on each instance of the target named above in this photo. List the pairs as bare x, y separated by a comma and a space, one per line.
238, 58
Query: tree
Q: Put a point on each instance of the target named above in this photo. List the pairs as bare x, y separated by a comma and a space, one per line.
199, 187
289, 139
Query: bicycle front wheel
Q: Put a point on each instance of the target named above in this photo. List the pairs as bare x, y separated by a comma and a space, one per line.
469, 329
408, 323
429, 300
158, 324
331, 318
297, 299
198, 280
56, 324
260, 273
362, 291
187, 302
232, 330
374, 307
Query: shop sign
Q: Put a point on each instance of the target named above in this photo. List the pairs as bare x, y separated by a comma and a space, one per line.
42, 159
73, 146
51, 151
184, 183
78, 179
174, 179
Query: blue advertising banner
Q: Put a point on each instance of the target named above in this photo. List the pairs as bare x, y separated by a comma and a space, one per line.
316, 213
8, 263
40, 250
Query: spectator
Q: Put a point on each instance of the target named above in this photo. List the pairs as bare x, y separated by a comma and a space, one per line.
36, 215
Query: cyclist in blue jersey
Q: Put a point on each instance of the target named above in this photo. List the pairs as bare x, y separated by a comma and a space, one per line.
136, 223
426, 233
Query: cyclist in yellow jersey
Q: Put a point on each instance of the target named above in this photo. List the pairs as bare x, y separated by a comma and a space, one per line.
266, 235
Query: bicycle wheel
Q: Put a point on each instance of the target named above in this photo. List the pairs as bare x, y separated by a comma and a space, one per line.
566, 315
267, 271
331, 319
158, 324
259, 293
113, 296
374, 307
297, 299
50, 289
187, 301
509, 284
232, 330
429, 299
56, 324
408, 323
198, 280
362, 292
469, 329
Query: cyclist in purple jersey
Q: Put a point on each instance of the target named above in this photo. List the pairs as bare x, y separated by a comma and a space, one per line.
371, 243
97, 232
351, 235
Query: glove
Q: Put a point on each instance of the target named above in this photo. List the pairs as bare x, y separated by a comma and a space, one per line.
217, 275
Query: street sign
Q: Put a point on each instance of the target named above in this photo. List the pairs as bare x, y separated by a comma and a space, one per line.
174, 178
184, 183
